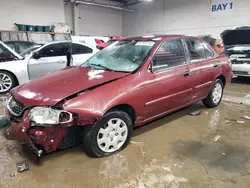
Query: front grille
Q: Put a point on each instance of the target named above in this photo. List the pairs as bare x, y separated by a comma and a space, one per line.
16, 108
240, 72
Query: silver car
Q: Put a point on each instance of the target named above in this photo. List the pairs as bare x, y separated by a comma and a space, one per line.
237, 45
38, 61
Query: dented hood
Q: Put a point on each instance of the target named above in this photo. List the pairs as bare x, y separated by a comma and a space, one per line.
236, 36
54, 87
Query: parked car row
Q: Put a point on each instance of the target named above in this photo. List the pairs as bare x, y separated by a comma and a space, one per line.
38, 60
125, 85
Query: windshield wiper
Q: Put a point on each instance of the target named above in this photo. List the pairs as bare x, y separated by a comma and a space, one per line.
99, 65
103, 67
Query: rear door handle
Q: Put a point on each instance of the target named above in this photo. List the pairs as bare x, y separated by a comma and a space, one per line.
187, 73
216, 65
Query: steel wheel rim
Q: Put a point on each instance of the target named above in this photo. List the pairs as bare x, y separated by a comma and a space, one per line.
5, 82
217, 93
112, 135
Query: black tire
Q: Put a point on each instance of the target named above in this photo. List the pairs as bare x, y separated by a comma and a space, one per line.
208, 101
13, 81
91, 132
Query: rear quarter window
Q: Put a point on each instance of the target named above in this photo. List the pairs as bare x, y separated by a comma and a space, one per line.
80, 49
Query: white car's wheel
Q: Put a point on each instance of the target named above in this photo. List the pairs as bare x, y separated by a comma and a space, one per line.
108, 135
7, 82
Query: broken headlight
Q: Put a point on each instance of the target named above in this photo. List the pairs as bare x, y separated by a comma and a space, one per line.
49, 116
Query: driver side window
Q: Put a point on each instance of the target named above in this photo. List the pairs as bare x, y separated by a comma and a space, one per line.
57, 49
170, 54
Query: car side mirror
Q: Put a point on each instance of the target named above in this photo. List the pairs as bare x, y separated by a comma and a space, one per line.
36, 55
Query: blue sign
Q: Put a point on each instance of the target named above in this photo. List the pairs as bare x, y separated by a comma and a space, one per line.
222, 7
219, 7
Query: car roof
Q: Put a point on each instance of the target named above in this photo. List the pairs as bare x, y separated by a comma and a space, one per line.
157, 37
67, 41
27, 42
84, 44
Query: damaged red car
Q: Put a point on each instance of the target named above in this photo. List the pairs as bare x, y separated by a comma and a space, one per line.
127, 84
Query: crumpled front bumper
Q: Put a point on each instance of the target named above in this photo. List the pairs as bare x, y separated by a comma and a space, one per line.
38, 139
15, 131
18, 131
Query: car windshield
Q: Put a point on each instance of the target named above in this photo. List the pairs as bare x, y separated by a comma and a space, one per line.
121, 56
31, 49
5, 54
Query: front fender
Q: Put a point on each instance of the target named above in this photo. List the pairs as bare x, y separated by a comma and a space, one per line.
17, 68
95, 103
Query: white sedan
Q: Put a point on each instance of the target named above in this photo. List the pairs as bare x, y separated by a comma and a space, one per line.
18, 69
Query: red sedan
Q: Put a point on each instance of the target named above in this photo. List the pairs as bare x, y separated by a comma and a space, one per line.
125, 85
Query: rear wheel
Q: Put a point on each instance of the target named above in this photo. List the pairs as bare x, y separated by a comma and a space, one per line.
108, 135
7, 82
215, 95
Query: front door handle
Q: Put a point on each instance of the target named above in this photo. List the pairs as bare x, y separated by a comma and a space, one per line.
187, 73
216, 65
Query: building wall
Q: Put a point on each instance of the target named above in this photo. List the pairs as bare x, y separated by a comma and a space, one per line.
68, 13
190, 17
99, 21
94, 20
33, 12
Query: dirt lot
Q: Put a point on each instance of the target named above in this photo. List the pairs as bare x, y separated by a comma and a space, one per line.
211, 150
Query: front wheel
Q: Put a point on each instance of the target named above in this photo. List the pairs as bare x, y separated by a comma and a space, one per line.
7, 82
215, 95
108, 135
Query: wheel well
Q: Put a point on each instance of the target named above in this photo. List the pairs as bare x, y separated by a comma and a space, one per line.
223, 79
125, 108
14, 76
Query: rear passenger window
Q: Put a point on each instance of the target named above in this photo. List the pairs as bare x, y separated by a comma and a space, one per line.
170, 54
209, 53
196, 50
80, 49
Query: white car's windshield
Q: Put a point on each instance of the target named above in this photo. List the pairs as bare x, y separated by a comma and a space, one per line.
121, 56
31, 49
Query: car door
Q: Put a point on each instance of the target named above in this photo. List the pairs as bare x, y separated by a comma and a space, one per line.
80, 53
203, 66
50, 58
169, 82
